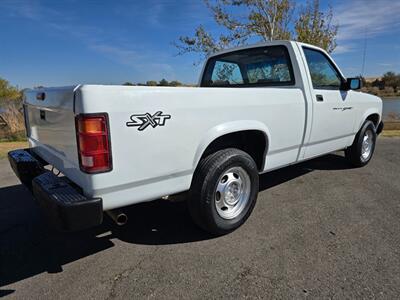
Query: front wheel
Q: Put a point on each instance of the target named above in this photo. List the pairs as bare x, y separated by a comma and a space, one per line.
360, 152
224, 191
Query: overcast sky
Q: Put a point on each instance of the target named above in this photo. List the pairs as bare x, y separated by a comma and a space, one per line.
54, 42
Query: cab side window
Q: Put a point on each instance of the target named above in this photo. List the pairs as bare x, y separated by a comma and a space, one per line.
323, 73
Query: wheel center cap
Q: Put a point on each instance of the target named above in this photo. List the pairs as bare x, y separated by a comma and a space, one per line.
232, 193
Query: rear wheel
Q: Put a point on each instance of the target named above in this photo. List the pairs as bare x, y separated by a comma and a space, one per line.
362, 149
224, 191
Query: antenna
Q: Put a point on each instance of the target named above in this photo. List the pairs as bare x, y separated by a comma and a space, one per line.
364, 52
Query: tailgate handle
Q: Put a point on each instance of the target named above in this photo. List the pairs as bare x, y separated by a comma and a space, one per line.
42, 115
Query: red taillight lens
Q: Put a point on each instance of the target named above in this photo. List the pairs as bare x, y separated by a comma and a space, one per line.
93, 143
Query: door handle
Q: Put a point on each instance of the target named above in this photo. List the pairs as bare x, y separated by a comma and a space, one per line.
320, 98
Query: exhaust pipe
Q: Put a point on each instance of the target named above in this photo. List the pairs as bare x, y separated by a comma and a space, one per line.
118, 216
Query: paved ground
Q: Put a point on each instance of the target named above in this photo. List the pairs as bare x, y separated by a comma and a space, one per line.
319, 229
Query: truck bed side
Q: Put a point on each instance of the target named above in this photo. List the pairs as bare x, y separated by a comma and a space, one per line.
160, 160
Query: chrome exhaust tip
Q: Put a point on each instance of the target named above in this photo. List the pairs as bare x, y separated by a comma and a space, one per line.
118, 216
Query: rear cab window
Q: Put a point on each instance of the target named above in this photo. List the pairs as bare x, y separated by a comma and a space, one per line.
255, 67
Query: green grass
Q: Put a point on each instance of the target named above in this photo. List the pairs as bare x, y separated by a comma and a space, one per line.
391, 133
13, 137
391, 126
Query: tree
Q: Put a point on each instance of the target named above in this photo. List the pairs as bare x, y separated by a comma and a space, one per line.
391, 79
163, 82
151, 83
378, 83
175, 83
261, 20
128, 83
315, 27
8, 92
270, 19
364, 82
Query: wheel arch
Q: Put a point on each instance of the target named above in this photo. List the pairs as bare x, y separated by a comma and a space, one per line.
236, 134
371, 115
374, 118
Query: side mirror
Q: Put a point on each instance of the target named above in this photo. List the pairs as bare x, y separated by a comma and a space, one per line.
353, 83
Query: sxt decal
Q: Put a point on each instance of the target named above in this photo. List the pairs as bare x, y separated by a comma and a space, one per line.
144, 120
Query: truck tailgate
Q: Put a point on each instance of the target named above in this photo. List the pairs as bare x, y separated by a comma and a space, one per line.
50, 122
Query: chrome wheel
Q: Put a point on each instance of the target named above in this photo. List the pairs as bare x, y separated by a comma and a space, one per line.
232, 192
367, 145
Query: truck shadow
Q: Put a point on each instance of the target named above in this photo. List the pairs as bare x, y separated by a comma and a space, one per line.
29, 247
328, 162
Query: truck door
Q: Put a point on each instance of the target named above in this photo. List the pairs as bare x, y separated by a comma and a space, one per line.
333, 112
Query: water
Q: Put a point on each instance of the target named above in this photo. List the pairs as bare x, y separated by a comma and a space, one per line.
391, 108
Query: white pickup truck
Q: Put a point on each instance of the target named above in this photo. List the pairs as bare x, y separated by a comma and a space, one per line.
256, 109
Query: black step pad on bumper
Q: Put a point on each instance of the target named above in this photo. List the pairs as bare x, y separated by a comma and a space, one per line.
25, 166
62, 202
67, 209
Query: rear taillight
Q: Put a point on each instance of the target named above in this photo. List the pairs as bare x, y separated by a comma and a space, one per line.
93, 138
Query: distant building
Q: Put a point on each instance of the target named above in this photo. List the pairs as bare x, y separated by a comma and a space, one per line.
372, 79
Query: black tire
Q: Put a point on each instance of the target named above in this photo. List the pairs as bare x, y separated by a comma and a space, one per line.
354, 153
202, 194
